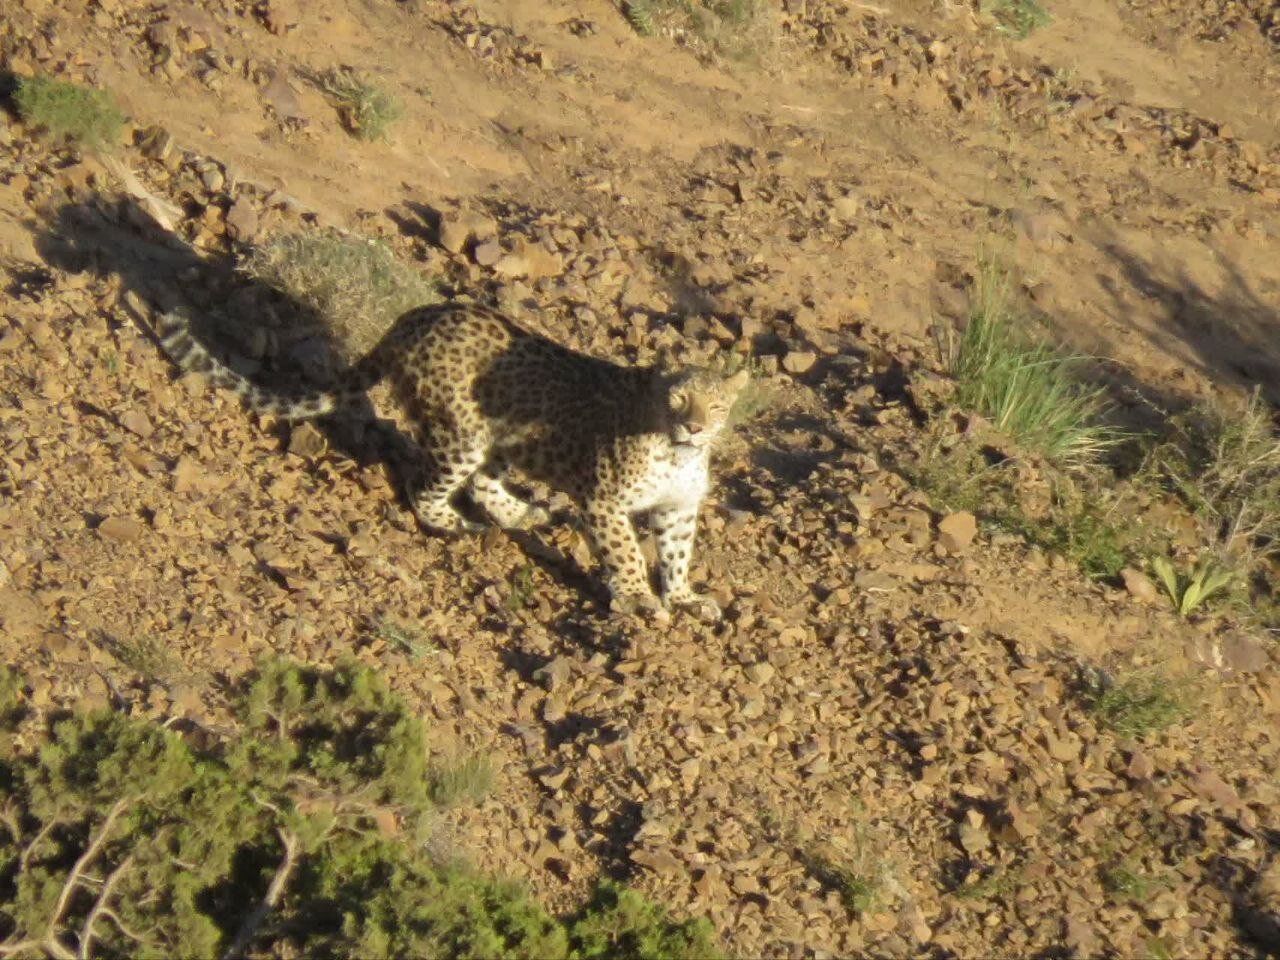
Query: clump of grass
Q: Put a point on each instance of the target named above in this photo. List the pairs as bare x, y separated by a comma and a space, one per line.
358, 286
1087, 519
1017, 18
998, 884
520, 589
739, 29
1223, 464
85, 116
1143, 702
1128, 882
756, 397
1028, 390
406, 638
860, 874
367, 111
469, 779
148, 656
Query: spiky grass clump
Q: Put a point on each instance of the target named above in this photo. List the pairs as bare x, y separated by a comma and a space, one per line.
358, 286
1028, 390
738, 29
367, 111
1018, 18
1143, 702
85, 116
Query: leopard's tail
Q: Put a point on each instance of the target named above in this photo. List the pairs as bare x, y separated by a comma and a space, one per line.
191, 356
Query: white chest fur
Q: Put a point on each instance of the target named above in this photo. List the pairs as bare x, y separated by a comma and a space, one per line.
678, 476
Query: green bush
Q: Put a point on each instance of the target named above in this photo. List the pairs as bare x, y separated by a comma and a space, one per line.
119, 838
86, 116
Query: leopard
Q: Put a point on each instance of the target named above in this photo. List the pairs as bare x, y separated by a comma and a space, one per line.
485, 399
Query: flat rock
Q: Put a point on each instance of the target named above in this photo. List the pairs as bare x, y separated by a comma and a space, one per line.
957, 530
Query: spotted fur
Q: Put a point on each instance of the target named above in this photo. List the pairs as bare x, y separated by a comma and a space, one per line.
483, 396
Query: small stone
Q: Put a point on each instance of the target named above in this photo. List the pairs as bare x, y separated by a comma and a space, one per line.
511, 265
846, 208
973, 837
659, 861
1140, 766
123, 529
760, 673
242, 221
1139, 585
306, 441
487, 254
957, 530
799, 361
453, 234
213, 179
137, 422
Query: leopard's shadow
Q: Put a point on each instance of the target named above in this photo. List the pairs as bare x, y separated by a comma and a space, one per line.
158, 272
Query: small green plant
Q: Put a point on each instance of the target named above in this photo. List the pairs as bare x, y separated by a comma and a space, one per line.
406, 638
366, 111
860, 874
1188, 591
359, 286
147, 656
618, 922
1028, 391
467, 780
1223, 464
85, 116
757, 397
1017, 18
1142, 702
1127, 881
1083, 518
997, 884
739, 29
520, 591
111, 362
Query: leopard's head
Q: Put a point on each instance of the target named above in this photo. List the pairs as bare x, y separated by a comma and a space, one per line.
698, 405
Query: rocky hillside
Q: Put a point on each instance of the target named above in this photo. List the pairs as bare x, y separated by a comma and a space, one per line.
893, 743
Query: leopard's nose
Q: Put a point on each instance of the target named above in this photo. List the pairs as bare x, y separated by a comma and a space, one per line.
694, 427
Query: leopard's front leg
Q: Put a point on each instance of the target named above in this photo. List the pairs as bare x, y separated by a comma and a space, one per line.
676, 528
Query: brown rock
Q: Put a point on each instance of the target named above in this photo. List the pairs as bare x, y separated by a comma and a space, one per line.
659, 861
957, 530
799, 361
124, 529
306, 441
136, 421
454, 234
242, 221
1139, 585
487, 254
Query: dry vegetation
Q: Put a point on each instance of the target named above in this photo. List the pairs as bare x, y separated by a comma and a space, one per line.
997, 674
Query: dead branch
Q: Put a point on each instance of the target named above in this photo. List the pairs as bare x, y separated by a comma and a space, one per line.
73, 878
249, 928
99, 905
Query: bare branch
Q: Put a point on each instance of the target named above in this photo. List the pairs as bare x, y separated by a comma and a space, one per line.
8, 949
29, 849
249, 928
104, 895
115, 918
73, 878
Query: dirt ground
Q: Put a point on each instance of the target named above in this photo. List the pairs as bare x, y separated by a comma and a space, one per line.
879, 695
